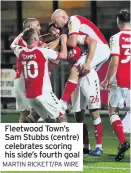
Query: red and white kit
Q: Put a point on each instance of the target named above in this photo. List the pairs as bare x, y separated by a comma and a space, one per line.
120, 45
84, 28
87, 92
19, 86
34, 65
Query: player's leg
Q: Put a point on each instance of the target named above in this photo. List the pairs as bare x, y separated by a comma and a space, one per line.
23, 115
21, 107
80, 118
73, 79
100, 56
98, 59
91, 91
50, 108
127, 118
115, 99
33, 117
27, 115
77, 62
40, 108
126, 122
79, 107
71, 84
98, 131
21, 104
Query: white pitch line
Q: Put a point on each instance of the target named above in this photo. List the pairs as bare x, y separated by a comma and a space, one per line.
102, 167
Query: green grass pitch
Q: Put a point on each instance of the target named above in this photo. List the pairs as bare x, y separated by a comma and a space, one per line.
101, 164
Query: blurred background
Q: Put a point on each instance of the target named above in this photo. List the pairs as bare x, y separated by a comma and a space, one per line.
13, 13
103, 14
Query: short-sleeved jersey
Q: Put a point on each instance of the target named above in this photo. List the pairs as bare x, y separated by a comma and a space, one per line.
80, 25
23, 44
120, 45
34, 65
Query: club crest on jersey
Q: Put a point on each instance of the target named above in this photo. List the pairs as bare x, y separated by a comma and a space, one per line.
70, 25
70, 22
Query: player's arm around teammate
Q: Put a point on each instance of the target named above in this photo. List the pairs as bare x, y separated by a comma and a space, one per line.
78, 24
21, 101
52, 106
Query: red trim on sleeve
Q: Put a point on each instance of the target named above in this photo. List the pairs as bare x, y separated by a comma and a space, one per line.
82, 33
73, 33
85, 39
93, 27
114, 54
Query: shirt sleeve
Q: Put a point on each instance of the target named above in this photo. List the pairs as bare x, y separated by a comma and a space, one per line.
50, 53
74, 25
114, 46
17, 50
81, 39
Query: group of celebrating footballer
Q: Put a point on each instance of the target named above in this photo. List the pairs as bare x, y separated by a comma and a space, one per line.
76, 40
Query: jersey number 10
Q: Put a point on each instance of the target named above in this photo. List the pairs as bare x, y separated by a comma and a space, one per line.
27, 69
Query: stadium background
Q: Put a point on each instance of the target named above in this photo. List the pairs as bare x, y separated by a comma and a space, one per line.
103, 14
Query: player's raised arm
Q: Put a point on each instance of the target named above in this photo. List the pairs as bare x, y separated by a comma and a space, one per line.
15, 42
54, 44
14, 45
54, 55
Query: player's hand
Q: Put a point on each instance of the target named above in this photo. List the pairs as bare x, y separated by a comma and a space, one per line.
86, 67
70, 54
63, 38
105, 84
83, 72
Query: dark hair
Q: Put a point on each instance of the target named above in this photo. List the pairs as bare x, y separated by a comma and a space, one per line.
124, 16
51, 24
27, 34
